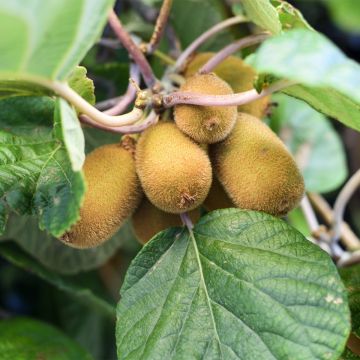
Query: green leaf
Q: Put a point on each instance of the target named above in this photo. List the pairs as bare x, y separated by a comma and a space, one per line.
19, 258
346, 13
351, 278
243, 285
48, 39
67, 127
263, 14
36, 175
316, 146
312, 60
330, 102
27, 339
290, 17
10, 88
82, 84
57, 256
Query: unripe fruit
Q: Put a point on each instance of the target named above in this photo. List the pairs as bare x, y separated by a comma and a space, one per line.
148, 220
113, 193
217, 197
175, 173
237, 74
206, 124
256, 170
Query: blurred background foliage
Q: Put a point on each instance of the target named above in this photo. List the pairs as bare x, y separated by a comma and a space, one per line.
45, 295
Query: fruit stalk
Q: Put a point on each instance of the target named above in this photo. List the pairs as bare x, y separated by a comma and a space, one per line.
242, 98
132, 49
151, 119
180, 62
160, 26
129, 95
230, 49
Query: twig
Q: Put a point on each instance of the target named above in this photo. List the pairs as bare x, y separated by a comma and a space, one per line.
133, 50
341, 202
160, 26
151, 119
202, 38
184, 97
350, 240
108, 103
309, 214
130, 94
185, 218
230, 49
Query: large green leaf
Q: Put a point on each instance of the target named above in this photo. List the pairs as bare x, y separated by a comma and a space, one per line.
263, 14
19, 258
27, 339
243, 285
48, 38
68, 128
312, 60
351, 278
316, 146
36, 174
57, 256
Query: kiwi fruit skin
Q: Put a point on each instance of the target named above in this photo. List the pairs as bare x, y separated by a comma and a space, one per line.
256, 170
148, 220
112, 195
175, 173
237, 74
206, 124
217, 197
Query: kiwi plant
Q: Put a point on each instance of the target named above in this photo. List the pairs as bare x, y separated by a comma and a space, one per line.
196, 176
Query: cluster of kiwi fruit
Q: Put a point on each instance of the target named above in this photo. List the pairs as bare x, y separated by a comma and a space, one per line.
210, 157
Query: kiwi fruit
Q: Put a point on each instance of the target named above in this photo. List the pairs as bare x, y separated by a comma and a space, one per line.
217, 197
237, 74
206, 124
148, 220
112, 195
175, 172
256, 170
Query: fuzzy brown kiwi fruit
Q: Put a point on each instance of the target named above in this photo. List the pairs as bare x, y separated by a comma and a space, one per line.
175, 173
217, 197
112, 195
237, 74
256, 169
148, 220
206, 124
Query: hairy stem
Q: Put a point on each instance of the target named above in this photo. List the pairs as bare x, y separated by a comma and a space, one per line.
184, 97
203, 37
130, 94
160, 26
230, 49
151, 119
341, 202
133, 50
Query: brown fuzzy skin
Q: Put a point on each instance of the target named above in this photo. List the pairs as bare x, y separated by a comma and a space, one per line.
238, 75
148, 220
175, 173
112, 195
217, 197
256, 169
206, 124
